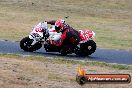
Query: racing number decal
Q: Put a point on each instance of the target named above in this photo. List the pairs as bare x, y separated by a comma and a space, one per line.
86, 34
38, 29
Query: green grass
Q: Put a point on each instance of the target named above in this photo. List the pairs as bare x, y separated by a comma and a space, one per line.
67, 61
110, 19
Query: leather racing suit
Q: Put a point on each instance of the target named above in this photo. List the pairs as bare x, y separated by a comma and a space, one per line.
69, 38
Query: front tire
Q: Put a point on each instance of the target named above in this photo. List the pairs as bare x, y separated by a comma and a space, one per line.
26, 42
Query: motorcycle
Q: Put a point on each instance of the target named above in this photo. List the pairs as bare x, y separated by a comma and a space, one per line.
41, 35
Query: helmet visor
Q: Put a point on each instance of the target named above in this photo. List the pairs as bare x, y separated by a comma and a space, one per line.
57, 28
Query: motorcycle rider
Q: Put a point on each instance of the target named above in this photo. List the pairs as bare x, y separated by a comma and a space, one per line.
69, 38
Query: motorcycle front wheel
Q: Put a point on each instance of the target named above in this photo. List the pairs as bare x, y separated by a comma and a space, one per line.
26, 42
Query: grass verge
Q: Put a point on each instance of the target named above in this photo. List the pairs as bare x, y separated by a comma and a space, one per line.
46, 72
67, 61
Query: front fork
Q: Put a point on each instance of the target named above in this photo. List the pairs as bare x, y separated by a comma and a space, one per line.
42, 40
34, 40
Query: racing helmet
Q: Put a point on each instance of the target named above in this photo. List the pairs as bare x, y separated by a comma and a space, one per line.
59, 25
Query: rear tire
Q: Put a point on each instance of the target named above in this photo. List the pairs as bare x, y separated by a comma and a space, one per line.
86, 48
26, 42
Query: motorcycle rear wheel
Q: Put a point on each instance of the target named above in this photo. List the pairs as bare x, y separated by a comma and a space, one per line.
86, 48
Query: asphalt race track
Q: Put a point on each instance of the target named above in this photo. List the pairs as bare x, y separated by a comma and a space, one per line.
103, 55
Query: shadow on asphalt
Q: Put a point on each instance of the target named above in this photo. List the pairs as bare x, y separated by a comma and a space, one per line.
57, 55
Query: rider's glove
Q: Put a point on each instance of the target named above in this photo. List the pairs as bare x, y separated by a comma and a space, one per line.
44, 25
